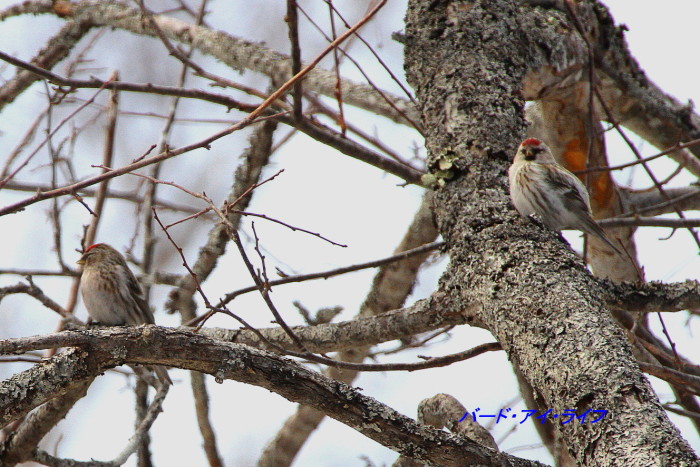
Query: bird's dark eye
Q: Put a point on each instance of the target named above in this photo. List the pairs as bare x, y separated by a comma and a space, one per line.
531, 153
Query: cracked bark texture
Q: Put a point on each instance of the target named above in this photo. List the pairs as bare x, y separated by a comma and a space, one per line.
468, 63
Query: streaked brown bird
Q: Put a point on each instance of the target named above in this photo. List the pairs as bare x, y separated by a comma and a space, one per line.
539, 185
111, 293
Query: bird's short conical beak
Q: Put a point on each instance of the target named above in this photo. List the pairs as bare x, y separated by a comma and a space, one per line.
81, 261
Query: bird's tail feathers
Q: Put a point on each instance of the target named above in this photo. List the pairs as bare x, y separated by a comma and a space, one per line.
596, 230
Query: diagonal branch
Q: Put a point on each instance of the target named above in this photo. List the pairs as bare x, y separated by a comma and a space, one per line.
235, 52
308, 126
40, 196
652, 296
288, 379
391, 286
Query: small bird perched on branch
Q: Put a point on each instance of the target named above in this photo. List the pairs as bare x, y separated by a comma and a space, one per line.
539, 185
112, 294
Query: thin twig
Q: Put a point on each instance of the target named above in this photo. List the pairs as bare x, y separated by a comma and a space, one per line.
661, 205
40, 272
685, 413
313, 129
292, 19
383, 95
677, 147
33, 290
376, 55
28, 137
291, 227
648, 222
107, 156
204, 297
319, 106
336, 272
430, 362
126, 86
265, 279
20, 205
649, 172
182, 256
51, 133
608, 113
403, 114
413, 344
227, 206
55, 211
285, 87
264, 292
151, 414
338, 91
88, 192
688, 382
668, 337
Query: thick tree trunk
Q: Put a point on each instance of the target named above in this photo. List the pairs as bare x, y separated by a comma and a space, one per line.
468, 62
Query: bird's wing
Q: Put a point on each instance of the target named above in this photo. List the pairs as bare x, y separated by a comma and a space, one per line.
135, 291
573, 192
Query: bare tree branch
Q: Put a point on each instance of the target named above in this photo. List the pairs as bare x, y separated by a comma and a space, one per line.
121, 345
235, 52
652, 296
